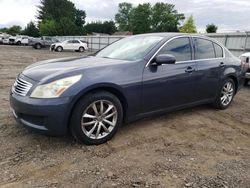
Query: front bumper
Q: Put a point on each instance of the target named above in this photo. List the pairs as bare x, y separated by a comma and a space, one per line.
52, 47
49, 116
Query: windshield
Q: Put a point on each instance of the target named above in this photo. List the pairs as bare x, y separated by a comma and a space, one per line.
130, 48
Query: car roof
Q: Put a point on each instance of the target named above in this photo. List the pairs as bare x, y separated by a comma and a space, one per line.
170, 35
247, 54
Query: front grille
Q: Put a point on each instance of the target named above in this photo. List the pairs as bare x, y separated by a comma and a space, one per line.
21, 87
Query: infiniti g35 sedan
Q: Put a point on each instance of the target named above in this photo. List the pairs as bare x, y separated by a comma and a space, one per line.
135, 77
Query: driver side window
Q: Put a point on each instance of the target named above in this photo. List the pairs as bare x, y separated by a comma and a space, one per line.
180, 48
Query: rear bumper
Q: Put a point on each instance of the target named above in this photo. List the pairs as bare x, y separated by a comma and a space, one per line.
247, 75
49, 116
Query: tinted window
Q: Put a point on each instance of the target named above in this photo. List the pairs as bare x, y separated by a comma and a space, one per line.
47, 38
130, 48
218, 50
70, 41
180, 48
76, 41
204, 49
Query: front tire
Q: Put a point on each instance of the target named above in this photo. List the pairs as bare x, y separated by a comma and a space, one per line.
59, 49
96, 118
38, 46
225, 95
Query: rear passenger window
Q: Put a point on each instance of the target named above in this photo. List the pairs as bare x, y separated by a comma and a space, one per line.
218, 50
180, 48
204, 49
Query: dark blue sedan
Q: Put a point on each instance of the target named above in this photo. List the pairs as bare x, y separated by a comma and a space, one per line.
138, 76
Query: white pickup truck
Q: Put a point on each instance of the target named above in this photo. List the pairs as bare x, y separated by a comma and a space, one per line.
245, 58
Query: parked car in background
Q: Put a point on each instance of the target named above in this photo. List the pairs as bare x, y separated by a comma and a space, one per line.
130, 79
246, 63
76, 45
42, 42
17, 40
6, 40
25, 40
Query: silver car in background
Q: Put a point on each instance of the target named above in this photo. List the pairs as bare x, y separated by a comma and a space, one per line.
245, 60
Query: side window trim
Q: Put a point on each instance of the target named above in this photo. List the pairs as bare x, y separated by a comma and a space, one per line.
193, 50
199, 37
169, 40
190, 46
204, 39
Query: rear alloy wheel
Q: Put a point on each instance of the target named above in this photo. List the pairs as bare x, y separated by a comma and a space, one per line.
81, 49
226, 94
59, 49
38, 46
96, 118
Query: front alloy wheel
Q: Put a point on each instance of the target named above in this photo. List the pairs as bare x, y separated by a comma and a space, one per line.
99, 119
96, 118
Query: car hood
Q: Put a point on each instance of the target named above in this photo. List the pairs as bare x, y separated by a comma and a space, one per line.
50, 69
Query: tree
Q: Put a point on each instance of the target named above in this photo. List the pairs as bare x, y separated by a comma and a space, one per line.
141, 18
211, 28
80, 16
162, 17
48, 28
189, 26
14, 30
60, 15
4, 30
165, 18
122, 18
109, 27
31, 30
100, 27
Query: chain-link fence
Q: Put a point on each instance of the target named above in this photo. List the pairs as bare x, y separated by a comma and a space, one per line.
237, 43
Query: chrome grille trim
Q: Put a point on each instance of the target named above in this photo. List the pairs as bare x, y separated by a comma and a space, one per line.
21, 87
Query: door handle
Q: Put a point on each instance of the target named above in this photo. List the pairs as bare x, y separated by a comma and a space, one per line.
222, 64
189, 69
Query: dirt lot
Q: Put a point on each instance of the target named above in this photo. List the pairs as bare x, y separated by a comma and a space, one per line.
198, 147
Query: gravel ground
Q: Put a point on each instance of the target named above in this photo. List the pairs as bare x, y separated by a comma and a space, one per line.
197, 147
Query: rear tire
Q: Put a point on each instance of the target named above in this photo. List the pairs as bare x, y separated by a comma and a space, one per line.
225, 95
81, 49
96, 118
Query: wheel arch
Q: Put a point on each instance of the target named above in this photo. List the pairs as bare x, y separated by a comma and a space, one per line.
113, 89
231, 72
234, 78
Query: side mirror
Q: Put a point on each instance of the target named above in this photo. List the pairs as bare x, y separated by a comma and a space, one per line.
165, 59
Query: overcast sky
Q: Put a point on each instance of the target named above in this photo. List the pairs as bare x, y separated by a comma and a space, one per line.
229, 15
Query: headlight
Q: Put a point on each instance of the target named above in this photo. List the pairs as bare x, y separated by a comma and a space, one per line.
54, 89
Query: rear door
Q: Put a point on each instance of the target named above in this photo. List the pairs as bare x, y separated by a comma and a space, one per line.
209, 57
76, 45
170, 85
68, 45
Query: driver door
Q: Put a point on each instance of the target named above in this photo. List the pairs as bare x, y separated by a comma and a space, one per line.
170, 85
